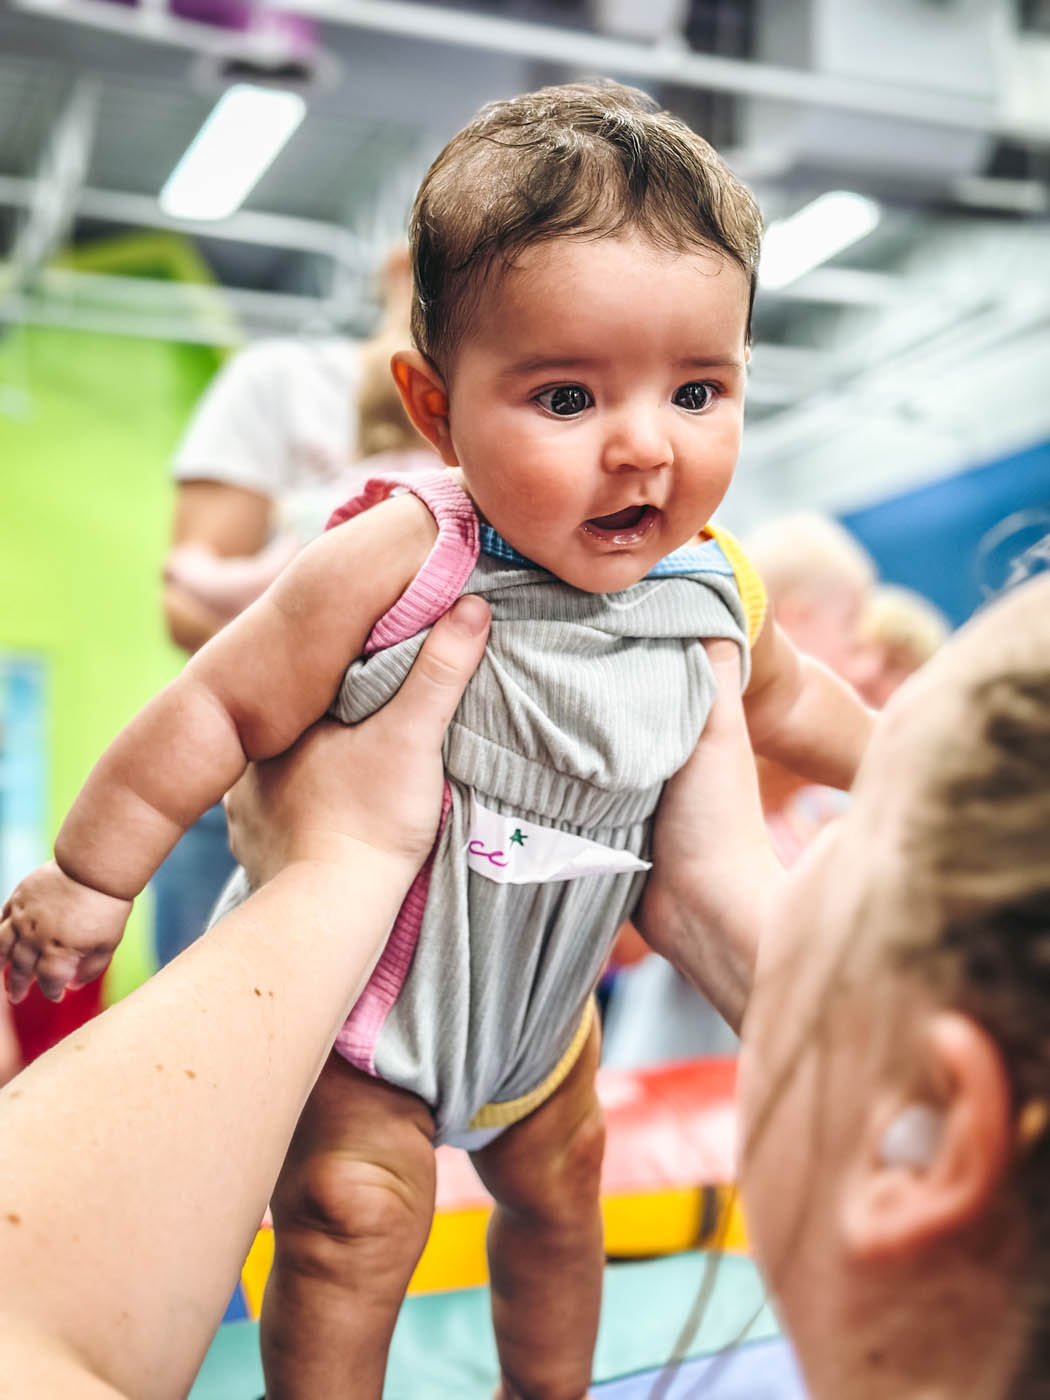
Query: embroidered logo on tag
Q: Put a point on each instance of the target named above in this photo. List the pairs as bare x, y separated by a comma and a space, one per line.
513, 851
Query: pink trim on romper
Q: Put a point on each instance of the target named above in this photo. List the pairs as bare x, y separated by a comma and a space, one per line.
432, 592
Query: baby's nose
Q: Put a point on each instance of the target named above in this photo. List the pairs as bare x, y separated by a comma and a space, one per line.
638, 441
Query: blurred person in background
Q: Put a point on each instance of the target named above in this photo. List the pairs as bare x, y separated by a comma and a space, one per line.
268, 454
899, 631
819, 579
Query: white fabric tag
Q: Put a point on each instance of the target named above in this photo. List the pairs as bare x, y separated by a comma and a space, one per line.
513, 851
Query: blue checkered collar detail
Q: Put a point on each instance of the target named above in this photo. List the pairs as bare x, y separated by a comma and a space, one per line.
704, 558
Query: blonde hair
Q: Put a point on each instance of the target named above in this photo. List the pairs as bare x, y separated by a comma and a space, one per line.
976, 863
807, 551
903, 621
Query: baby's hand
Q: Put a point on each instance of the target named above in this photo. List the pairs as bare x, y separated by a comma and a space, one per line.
58, 931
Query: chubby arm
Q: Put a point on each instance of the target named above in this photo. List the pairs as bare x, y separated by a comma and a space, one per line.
801, 715
248, 694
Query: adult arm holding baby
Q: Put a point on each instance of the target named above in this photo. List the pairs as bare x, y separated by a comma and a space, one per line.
248, 694
201, 1073
714, 870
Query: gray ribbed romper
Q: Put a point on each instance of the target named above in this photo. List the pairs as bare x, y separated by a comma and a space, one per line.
583, 706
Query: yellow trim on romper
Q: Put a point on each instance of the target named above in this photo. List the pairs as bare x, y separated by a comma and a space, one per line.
502, 1115
752, 589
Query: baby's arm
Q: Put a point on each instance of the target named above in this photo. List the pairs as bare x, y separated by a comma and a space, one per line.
249, 693
803, 716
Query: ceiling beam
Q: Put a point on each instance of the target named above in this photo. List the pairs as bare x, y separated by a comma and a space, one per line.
267, 230
577, 49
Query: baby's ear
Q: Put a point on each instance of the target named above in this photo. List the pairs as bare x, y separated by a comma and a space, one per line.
425, 399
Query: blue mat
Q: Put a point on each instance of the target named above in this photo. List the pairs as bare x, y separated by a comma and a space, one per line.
443, 1347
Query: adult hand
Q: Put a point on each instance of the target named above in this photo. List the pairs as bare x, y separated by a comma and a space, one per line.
714, 870
377, 784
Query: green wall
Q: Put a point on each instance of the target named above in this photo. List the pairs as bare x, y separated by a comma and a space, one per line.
87, 426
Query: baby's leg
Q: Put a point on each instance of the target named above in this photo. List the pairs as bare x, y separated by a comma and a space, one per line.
351, 1210
545, 1239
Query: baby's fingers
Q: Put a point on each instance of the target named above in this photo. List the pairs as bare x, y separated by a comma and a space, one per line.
22, 961
56, 969
92, 965
7, 933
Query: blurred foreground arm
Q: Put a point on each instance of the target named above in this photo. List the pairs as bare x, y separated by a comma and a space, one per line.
138, 1155
714, 871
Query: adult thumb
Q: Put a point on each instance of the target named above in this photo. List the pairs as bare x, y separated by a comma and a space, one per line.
448, 658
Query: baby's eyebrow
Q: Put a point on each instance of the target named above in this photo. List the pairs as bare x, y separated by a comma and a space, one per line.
537, 364
733, 362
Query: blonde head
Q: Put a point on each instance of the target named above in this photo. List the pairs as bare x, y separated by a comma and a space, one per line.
974, 836
902, 620
898, 632
808, 552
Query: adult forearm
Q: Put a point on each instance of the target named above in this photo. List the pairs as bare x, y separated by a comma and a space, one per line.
180, 1102
709, 930
714, 870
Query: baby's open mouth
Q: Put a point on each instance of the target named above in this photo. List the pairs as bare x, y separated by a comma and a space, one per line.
620, 519
622, 526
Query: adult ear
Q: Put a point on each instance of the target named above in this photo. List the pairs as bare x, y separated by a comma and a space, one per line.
425, 398
930, 1164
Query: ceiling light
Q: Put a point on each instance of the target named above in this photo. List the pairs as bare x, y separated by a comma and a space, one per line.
814, 234
240, 138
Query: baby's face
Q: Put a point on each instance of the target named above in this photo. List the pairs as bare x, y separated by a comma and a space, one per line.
596, 403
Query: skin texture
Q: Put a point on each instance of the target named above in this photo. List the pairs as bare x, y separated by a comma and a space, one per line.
200, 1075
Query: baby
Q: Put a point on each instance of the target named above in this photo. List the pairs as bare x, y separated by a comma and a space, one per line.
584, 269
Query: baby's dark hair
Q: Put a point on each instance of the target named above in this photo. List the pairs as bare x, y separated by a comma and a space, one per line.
585, 159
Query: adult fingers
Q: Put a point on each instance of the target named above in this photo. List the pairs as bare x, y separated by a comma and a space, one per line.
449, 657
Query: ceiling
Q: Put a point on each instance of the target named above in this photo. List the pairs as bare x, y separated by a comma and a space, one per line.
918, 351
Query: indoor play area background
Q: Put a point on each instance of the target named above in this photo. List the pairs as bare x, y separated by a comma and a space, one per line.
898, 383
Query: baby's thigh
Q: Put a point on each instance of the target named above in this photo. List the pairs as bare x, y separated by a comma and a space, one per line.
550, 1161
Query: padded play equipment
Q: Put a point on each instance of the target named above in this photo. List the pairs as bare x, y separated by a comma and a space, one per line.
443, 1347
666, 1191
666, 1181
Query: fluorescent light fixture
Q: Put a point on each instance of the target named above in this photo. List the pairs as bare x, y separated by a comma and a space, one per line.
240, 138
812, 235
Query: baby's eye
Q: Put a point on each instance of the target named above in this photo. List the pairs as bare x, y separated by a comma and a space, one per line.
695, 396
566, 400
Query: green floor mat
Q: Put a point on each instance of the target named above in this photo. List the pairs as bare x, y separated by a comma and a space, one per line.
443, 1347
